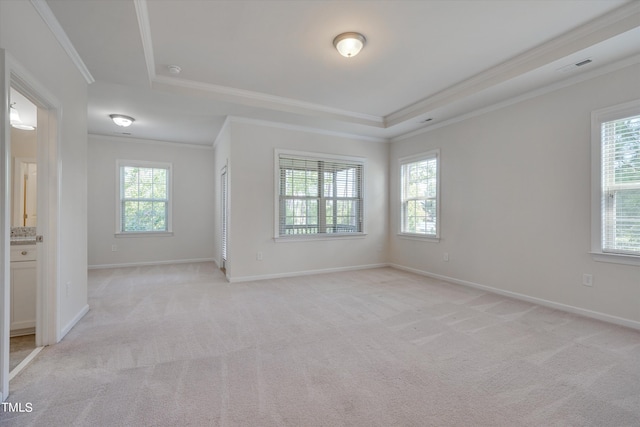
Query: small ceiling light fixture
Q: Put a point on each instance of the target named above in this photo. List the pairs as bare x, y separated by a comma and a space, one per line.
14, 119
122, 120
174, 69
349, 44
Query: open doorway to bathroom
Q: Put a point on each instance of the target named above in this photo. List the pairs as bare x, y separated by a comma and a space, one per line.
16, 82
24, 221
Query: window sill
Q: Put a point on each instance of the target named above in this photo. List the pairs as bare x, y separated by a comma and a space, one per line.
409, 236
316, 237
616, 258
145, 234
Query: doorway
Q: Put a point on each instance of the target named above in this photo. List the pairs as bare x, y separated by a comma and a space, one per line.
23, 233
47, 324
224, 183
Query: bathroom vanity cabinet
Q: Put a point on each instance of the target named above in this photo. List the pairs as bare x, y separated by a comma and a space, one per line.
23, 289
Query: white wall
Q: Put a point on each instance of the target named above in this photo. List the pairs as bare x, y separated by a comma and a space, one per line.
193, 208
23, 143
253, 198
26, 38
515, 200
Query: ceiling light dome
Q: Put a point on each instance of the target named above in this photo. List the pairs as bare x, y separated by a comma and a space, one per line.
349, 44
122, 120
14, 119
174, 69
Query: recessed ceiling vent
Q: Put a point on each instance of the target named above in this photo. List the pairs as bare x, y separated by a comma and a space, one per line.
578, 64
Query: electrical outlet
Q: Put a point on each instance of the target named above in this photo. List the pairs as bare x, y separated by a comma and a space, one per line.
68, 288
114, 248
259, 256
445, 257
587, 279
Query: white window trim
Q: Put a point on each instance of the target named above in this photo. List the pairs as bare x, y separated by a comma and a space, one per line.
597, 118
143, 164
411, 159
314, 237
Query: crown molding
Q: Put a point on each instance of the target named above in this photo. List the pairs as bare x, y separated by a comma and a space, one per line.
605, 69
115, 138
299, 128
609, 25
142, 13
49, 18
263, 100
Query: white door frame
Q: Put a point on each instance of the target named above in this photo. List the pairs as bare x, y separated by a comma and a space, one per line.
47, 303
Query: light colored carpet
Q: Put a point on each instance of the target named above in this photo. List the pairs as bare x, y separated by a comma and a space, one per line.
177, 345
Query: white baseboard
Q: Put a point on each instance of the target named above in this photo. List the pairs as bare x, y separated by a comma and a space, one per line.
539, 301
22, 332
26, 324
73, 322
304, 273
144, 264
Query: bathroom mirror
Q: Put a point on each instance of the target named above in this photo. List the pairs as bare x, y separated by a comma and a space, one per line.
25, 182
24, 178
24, 152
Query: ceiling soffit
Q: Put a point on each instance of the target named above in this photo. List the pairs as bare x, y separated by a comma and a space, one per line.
454, 101
602, 28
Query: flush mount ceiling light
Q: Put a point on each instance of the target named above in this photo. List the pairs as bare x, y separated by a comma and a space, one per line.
174, 69
14, 119
122, 120
349, 44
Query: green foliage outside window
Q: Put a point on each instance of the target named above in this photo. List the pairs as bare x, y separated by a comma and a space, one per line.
419, 197
319, 197
144, 199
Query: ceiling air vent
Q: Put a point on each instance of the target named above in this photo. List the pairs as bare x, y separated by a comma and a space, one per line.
572, 67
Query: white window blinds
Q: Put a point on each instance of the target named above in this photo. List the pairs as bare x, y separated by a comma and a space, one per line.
319, 196
620, 144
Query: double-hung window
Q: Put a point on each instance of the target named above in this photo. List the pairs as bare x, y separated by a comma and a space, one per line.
144, 204
616, 182
419, 181
318, 195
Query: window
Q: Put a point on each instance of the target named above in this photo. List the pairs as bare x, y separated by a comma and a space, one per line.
616, 194
144, 204
419, 176
318, 196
